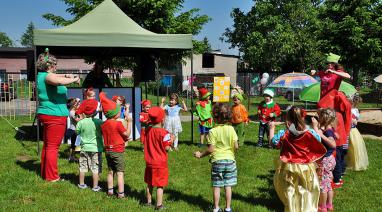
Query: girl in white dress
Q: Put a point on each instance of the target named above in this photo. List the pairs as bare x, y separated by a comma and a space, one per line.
172, 121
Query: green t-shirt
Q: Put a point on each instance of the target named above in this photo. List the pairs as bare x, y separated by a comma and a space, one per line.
52, 99
91, 134
223, 137
205, 114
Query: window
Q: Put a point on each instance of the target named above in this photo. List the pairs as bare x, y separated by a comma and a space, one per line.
208, 61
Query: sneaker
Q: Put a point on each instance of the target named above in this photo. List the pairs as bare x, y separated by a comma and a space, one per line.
336, 185
216, 210
83, 186
96, 189
226, 210
259, 144
341, 181
161, 207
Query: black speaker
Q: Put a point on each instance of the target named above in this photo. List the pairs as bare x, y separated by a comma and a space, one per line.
30, 65
148, 67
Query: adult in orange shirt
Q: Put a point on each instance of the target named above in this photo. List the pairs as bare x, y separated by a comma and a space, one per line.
239, 117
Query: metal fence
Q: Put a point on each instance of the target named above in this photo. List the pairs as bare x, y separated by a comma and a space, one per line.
17, 94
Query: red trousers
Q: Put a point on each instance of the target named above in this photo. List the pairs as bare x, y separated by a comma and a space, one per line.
54, 131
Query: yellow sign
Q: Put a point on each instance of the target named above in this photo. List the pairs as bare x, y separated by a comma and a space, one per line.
221, 89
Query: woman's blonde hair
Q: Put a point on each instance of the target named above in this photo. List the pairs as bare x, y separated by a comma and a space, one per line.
296, 116
326, 117
44, 61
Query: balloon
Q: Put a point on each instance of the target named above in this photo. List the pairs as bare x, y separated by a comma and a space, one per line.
266, 75
255, 80
263, 81
186, 83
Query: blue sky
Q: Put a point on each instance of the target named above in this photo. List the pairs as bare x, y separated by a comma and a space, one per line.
15, 15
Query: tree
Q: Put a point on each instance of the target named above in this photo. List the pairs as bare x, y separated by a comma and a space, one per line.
160, 16
5, 41
27, 37
276, 35
353, 29
202, 46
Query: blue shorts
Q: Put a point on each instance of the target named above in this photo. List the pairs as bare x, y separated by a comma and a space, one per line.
203, 129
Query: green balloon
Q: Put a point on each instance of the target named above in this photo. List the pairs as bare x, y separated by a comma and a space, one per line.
255, 80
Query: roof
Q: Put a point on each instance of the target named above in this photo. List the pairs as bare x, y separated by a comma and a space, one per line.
108, 26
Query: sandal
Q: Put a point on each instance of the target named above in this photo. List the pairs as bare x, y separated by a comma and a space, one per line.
110, 192
121, 195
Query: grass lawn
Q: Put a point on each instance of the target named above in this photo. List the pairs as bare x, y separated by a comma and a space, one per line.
189, 188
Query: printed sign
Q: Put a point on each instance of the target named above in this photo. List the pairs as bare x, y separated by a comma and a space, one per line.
221, 89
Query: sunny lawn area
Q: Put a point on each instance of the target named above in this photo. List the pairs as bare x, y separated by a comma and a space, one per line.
189, 184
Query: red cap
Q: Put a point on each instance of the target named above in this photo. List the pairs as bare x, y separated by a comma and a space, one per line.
156, 115
203, 93
109, 107
88, 107
114, 98
145, 102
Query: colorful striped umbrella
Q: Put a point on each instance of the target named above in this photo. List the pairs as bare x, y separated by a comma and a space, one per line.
292, 80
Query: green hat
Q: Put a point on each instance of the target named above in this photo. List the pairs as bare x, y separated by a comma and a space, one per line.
109, 107
332, 58
239, 96
268, 92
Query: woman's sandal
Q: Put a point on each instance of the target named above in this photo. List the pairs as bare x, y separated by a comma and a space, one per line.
121, 195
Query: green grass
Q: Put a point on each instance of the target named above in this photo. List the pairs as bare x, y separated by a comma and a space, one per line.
189, 183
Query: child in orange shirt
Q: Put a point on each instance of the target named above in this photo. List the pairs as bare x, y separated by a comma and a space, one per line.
239, 117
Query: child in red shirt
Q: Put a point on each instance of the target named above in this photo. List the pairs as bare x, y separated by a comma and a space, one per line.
114, 137
156, 144
144, 118
267, 112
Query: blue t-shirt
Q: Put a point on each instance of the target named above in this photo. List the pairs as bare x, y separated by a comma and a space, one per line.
329, 133
276, 138
172, 111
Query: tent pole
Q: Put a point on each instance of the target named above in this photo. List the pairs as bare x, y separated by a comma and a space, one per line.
146, 89
37, 102
192, 96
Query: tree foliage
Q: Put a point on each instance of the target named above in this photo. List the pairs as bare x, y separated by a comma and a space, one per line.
353, 28
276, 34
296, 34
27, 37
5, 41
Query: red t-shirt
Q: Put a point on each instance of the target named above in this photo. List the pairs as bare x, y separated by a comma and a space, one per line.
113, 137
329, 81
157, 139
144, 119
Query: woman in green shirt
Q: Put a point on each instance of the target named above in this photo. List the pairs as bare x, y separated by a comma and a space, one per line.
52, 112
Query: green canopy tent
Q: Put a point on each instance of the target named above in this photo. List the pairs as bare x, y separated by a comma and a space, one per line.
108, 31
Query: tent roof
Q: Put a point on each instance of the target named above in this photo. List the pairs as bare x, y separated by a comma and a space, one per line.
108, 26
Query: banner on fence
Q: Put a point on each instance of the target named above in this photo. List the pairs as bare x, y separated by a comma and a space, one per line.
221, 89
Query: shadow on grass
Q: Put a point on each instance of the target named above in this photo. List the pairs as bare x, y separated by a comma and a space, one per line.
28, 133
271, 201
30, 165
199, 201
